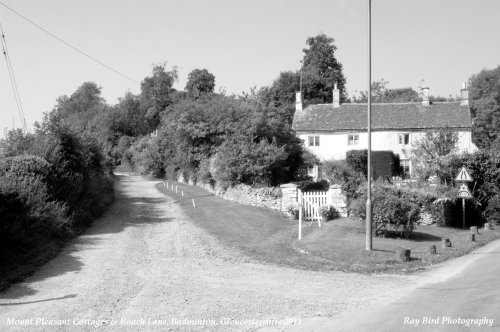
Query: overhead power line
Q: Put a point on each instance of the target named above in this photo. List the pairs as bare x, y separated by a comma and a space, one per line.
10, 69
68, 44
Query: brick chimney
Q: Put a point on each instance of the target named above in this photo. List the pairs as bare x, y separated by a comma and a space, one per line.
336, 97
464, 95
425, 96
298, 101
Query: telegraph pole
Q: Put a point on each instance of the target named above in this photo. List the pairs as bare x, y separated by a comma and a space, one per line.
369, 168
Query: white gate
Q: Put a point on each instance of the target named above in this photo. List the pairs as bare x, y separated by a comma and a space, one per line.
311, 201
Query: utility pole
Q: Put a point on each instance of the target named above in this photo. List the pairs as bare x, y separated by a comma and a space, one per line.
369, 168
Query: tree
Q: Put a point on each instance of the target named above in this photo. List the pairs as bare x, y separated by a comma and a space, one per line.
200, 81
157, 90
381, 94
429, 149
484, 95
321, 70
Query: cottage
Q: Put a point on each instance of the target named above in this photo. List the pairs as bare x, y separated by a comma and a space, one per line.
330, 130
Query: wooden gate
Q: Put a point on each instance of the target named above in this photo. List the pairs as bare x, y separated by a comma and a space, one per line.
311, 201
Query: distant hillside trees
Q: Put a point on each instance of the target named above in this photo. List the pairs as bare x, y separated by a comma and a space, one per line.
382, 94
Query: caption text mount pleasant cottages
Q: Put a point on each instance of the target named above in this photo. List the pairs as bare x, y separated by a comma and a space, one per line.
330, 130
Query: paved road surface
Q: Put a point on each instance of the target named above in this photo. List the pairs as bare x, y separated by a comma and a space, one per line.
464, 295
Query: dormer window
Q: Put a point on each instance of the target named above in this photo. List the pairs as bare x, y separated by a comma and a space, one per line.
404, 139
313, 140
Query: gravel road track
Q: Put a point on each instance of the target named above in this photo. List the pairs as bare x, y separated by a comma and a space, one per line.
145, 267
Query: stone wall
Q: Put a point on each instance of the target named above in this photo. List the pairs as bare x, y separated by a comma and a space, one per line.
243, 194
289, 195
277, 199
338, 200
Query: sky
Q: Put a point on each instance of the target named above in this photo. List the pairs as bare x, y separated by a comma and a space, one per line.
244, 43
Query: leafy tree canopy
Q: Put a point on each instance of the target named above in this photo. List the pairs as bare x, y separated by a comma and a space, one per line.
484, 96
200, 81
157, 89
428, 150
321, 70
382, 94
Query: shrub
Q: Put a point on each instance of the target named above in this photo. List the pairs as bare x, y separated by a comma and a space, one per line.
357, 160
492, 211
391, 210
40, 213
292, 208
24, 165
328, 211
339, 172
385, 164
321, 185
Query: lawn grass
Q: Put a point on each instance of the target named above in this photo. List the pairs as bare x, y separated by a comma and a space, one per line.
270, 237
343, 241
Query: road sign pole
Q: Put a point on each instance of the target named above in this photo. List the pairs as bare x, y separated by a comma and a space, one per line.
463, 213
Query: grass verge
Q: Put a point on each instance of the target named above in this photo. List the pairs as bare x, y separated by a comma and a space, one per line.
270, 237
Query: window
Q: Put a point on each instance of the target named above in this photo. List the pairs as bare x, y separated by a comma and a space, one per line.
313, 140
313, 171
405, 166
352, 139
404, 139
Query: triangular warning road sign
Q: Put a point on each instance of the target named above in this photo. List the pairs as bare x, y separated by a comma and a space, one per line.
464, 192
463, 175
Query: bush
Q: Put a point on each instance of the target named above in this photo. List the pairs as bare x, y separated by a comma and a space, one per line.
339, 172
328, 211
391, 211
30, 195
492, 211
357, 160
293, 209
484, 167
385, 164
24, 165
321, 185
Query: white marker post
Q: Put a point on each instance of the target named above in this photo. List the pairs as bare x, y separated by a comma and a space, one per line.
463, 176
194, 205
300, 214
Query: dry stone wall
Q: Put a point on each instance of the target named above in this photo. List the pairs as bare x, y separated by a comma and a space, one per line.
243, 194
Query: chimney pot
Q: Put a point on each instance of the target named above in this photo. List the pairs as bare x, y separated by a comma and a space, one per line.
298, 101
336, 97
464, 95
425, 97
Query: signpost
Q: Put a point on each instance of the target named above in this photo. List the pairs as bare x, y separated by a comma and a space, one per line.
463, 176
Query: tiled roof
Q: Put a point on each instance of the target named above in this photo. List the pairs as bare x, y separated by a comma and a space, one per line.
347, 117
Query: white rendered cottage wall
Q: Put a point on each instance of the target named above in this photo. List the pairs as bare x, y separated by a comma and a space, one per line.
335, 145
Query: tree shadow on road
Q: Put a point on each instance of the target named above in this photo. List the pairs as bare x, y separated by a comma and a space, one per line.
128, 210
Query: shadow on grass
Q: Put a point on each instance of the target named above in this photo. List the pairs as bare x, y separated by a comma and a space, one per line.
423, 237
382, 250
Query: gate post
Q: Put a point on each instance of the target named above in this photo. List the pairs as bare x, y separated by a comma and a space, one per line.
300, 213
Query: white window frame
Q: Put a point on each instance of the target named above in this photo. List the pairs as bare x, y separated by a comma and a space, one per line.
402, 139
314, 142
354, 140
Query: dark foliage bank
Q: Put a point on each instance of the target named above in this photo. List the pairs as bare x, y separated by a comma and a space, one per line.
53, 184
